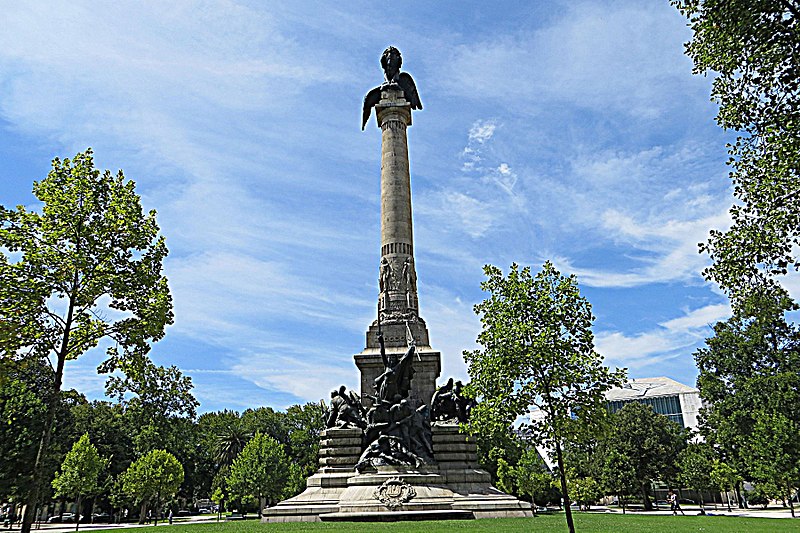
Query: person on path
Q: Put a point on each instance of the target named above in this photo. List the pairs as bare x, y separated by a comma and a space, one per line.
672, 498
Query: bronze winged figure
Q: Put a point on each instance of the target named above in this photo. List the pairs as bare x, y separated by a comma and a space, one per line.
391, 61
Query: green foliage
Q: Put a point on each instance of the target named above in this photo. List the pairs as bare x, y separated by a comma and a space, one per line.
80, 471
650, 441
583, 490
155, 399
154, 476
260, 472
538, 351
773, 453
695, 463
750, 383
91, 242
22, 411
618, 475
87, 267
753, 49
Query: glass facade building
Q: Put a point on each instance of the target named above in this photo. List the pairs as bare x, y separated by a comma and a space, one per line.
669, 406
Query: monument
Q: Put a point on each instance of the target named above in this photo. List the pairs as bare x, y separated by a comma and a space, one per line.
394, 451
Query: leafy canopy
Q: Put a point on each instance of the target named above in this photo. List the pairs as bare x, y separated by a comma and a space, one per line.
80, 470
753, 47
87, 267
260, 471
155, 475
538, 351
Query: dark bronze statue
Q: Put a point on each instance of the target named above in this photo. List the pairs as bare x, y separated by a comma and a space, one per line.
449, 404
397, 374
346, 410
391, 61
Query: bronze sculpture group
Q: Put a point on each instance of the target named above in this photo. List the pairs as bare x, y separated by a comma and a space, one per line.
397, 428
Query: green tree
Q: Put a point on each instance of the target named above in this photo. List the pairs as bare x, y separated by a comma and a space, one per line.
22, 409
538, 351
651, 441
89, 267
583, 489
618, 475
773, 453
724, 477
749, 372
694, 468
260, 472
151, 479
80, 473
751, 47
532, 477
155, 399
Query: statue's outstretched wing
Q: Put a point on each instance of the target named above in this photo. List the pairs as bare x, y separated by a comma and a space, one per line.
372, 98
406, 82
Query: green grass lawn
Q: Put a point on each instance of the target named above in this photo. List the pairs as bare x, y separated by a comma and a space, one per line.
584, 523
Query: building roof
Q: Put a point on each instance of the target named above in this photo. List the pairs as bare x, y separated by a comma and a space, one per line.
637, 389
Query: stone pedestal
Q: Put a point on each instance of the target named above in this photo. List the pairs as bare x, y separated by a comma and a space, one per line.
455, 488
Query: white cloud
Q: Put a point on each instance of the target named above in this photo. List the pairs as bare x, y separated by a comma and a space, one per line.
481, 131
600, 56
673, 338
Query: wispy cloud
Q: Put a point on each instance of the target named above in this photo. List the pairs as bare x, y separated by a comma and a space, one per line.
648, 350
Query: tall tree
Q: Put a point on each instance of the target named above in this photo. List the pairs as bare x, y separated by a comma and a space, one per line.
155, 398
538, 351
80, 473
87, 267
260, 472
773, 454
152, 478
651, 441
750, 372
753, 49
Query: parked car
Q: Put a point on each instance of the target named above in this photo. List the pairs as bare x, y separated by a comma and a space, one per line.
66, 517
203, 510
686, 501
101, 518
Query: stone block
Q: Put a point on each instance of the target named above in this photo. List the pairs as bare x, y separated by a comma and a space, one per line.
340, 441
339, 461
353, 451
339, 433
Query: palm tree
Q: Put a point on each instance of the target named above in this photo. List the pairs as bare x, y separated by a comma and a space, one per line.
230, 443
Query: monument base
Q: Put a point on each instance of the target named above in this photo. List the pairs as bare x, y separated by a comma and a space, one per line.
455, 488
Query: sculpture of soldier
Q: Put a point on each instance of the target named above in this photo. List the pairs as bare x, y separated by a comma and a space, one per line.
346, 410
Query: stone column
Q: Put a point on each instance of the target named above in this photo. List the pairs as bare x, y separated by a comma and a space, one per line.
398, 304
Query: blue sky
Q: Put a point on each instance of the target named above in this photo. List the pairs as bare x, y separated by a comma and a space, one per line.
571, 131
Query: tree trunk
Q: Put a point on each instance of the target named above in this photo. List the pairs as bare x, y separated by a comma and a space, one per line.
143, 512
563, 475
791, 504
648, 506
742, 503
621, 502
77, 512
39, 473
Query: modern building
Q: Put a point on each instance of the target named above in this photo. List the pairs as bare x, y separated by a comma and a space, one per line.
678, 402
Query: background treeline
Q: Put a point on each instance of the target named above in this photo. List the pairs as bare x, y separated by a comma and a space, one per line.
157, 414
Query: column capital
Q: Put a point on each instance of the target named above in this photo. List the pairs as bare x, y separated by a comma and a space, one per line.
392, 107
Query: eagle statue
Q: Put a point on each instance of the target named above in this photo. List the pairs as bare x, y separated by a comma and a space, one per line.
391, 61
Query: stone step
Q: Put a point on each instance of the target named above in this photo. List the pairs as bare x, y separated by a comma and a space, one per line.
344, 450
339, 433
345, 460
452, 437
340, 441
455, 447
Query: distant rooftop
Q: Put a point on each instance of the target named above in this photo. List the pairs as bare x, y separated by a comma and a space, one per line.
637, 389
